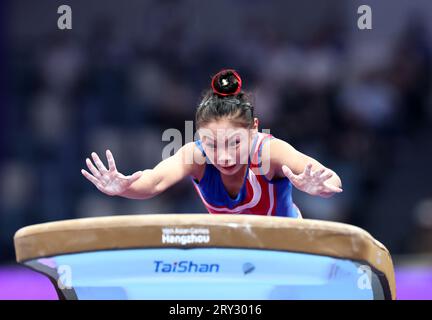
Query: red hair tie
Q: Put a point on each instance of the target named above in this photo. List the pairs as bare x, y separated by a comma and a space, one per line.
223, 73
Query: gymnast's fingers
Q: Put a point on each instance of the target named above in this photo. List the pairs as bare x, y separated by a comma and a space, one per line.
92, 168
308, 169
111, 163
332, 188
99, 163
94, 180
318, 173
288, 173
326, 175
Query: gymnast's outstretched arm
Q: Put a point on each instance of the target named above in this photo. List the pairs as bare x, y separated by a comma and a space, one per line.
305, 173
142, 184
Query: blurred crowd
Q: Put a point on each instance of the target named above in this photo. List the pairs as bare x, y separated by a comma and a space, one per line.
364, 112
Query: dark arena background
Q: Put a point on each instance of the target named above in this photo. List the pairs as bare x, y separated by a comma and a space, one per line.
359, 100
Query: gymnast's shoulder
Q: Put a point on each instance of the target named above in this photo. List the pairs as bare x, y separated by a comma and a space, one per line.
277, 152
194, 159
276, 147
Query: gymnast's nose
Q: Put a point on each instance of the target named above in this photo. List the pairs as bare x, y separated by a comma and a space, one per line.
224, 158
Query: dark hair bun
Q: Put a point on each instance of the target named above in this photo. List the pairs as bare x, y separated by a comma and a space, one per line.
226, 83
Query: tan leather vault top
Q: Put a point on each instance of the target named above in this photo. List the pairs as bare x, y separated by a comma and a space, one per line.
235, 231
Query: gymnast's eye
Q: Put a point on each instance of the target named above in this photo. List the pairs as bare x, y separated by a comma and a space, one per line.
210, 145
234, 143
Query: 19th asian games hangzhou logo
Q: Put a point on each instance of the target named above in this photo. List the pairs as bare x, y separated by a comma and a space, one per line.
185, 236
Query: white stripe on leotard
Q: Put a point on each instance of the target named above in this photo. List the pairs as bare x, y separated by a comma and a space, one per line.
271, 197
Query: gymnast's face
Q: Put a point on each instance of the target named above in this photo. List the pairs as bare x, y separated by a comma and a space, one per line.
227, 144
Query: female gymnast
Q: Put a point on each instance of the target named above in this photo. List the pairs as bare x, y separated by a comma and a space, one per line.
234, 168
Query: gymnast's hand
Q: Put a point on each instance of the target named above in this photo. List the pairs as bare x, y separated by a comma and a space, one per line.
312, 182
108, 181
